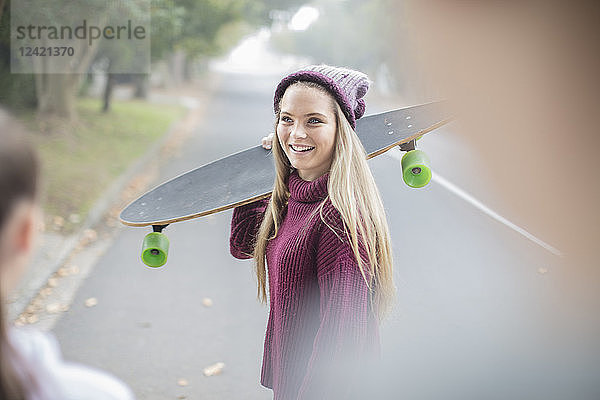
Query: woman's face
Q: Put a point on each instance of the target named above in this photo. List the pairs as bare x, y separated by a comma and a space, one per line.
306, 130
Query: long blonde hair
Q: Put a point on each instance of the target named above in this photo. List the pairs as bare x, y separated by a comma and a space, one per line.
353, 193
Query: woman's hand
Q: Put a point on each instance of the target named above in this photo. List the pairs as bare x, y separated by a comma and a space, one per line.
267, 141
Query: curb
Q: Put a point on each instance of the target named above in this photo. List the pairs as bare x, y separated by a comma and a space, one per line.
36, 278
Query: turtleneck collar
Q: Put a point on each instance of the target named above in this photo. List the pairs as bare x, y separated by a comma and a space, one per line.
308, 192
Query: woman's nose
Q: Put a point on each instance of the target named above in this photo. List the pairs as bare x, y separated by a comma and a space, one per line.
298, 132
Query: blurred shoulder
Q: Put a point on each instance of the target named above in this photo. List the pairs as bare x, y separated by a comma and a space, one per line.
40, 357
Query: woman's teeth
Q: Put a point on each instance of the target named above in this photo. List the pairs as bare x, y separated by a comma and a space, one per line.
301, 148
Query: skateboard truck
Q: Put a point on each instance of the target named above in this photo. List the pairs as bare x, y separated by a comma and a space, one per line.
159, 228
155, 247
416, 170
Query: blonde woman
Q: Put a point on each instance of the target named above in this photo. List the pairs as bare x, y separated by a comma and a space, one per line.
320, 243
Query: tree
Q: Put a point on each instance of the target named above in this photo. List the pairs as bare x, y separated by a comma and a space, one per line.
354, 33
194, 28
211, 27
16, 90
57, 79
188, 30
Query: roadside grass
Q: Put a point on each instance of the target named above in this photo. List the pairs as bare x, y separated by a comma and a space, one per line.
81, 159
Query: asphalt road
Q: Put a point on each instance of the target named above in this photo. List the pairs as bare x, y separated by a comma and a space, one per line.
482, 311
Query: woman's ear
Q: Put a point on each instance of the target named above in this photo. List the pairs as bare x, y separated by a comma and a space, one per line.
17, 241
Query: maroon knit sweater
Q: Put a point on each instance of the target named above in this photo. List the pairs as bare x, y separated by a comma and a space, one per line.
322, 329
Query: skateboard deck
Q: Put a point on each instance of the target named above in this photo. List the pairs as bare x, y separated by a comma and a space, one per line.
248, 175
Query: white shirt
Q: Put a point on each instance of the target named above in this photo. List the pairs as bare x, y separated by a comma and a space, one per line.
40, 359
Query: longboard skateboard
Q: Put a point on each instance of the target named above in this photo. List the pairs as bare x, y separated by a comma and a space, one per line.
248, 175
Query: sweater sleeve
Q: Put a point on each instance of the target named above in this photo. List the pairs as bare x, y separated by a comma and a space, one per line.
347, 338
245, 222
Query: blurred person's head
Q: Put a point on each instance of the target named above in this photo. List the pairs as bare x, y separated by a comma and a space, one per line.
18, 221
524, 79
18, 206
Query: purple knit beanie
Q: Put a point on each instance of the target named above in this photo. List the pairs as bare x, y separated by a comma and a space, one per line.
346, 85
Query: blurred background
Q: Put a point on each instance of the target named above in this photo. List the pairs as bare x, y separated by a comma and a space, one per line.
496, 268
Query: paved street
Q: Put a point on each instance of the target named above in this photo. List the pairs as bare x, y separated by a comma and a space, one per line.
479, 311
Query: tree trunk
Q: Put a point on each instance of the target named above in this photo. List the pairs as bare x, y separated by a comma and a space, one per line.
141, 86
2, 3
108, 90
187, 70
56, 94
177, 68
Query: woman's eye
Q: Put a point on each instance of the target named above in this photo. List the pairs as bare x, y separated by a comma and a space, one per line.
314, 120
285, 118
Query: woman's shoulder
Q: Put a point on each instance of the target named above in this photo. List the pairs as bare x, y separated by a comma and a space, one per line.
330, 221
333, 228
331, 215
40, 356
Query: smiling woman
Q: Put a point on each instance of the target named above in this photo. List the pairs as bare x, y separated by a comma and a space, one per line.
323, 235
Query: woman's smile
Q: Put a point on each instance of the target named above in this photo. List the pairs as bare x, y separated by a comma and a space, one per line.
298, 148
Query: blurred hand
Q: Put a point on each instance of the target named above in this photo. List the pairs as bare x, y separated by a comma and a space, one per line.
267, 141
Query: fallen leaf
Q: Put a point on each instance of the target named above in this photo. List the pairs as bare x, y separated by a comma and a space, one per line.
91, 302
214, 369
53, 308
52, 282
206, 302
182, 382
58, 221
32, 309
90, 235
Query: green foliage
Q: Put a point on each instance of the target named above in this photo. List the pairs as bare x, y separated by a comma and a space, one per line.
202, 23
353, 33
17, 91
210, 27
230, 34
259, 12
167, 21
198, 27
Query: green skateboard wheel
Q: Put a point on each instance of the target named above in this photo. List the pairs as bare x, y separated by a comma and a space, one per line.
155, 249
415, 169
